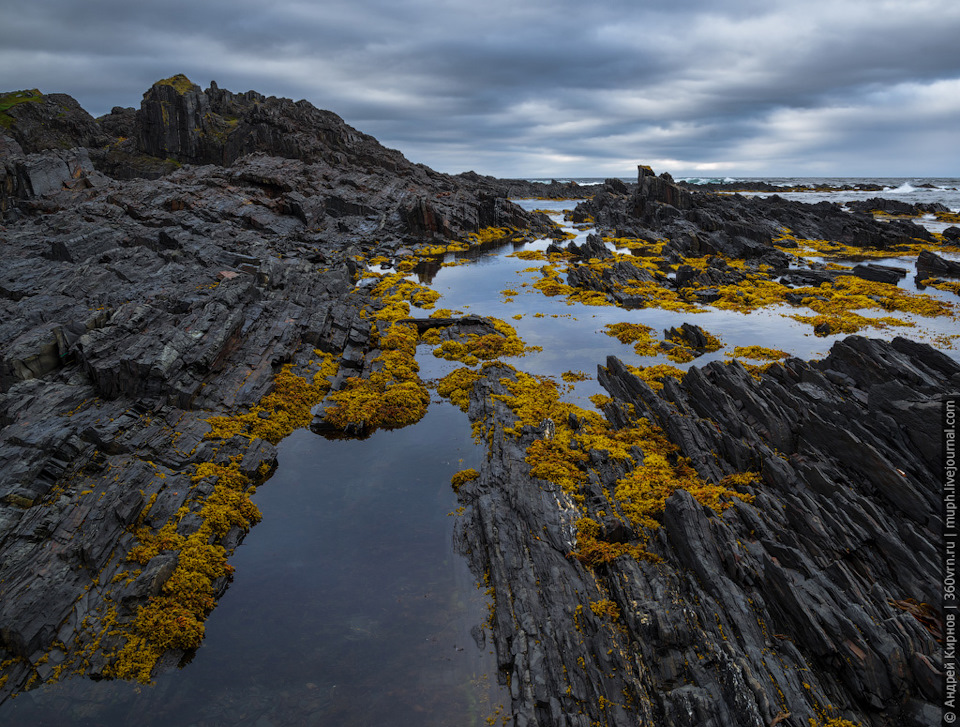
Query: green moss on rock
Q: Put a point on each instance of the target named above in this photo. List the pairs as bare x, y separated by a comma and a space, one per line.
180, 83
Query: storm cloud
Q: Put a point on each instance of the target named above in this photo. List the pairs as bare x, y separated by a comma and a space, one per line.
537, 88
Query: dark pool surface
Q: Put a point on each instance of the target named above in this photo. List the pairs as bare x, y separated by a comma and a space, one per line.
350, 605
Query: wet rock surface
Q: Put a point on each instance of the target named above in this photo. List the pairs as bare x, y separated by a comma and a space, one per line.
161, 268
133, 309
698, 223
806, 597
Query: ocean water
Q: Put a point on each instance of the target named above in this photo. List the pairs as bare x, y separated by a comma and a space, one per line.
914, 190
350, 605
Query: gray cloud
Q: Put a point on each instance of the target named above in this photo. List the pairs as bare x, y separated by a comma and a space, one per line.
545, 88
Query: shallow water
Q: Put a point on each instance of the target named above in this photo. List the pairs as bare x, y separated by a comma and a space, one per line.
349, 605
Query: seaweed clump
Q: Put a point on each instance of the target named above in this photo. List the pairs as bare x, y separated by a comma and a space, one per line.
565, 437
284, 409
392, 395
474, 348
174, 619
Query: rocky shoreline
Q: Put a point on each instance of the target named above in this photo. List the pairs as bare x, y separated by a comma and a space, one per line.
787, 568
808, 596
139, 306
187, 282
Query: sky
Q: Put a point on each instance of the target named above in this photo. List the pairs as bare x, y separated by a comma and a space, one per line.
544, 88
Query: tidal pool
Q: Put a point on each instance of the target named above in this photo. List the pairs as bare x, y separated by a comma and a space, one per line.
350, 605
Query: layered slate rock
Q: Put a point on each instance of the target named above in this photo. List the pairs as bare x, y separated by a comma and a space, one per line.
142, 296
822, 591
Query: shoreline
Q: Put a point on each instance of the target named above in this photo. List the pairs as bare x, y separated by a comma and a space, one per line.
191, 321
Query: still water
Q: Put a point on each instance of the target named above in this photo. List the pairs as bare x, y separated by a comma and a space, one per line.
350, 605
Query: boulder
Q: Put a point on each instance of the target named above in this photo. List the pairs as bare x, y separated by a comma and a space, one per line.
931, 265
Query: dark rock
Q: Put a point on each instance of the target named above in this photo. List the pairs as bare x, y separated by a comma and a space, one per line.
39, 122
845, 523
689, 336
895, 207
662, 189
136, 308
592, 248
616, 186
880, 273
810, 277
523, 188
931, 265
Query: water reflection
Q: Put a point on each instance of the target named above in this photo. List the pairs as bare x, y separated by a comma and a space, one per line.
349, 605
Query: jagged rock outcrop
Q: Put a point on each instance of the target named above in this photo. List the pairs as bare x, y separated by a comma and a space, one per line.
808, 596
135, 309
180, 121
697, 223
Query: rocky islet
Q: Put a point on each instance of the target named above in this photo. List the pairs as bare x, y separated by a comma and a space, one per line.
167, 324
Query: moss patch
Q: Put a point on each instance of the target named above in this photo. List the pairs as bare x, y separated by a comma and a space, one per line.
180, 83
14, 98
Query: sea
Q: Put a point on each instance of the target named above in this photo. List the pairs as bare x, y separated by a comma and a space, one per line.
914, 190
350, 604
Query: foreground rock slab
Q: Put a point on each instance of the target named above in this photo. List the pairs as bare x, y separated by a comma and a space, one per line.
811, 595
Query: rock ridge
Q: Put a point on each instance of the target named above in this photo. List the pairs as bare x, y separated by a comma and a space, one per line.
145, 304
810, 596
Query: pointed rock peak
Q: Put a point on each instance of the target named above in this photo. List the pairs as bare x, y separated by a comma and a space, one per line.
180, 83
644, 170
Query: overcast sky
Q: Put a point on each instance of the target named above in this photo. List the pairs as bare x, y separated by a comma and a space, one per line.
537, 87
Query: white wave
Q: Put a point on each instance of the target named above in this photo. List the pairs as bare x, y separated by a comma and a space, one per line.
707, 180
905, 188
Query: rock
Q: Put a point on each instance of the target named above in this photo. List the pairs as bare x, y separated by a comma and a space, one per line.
690, 336
616, 186
135, 309
895, 207
845, 523
931, 265
880, 273
592, 248
662, 189
523, 188
39, 122
697, 223
810, 277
